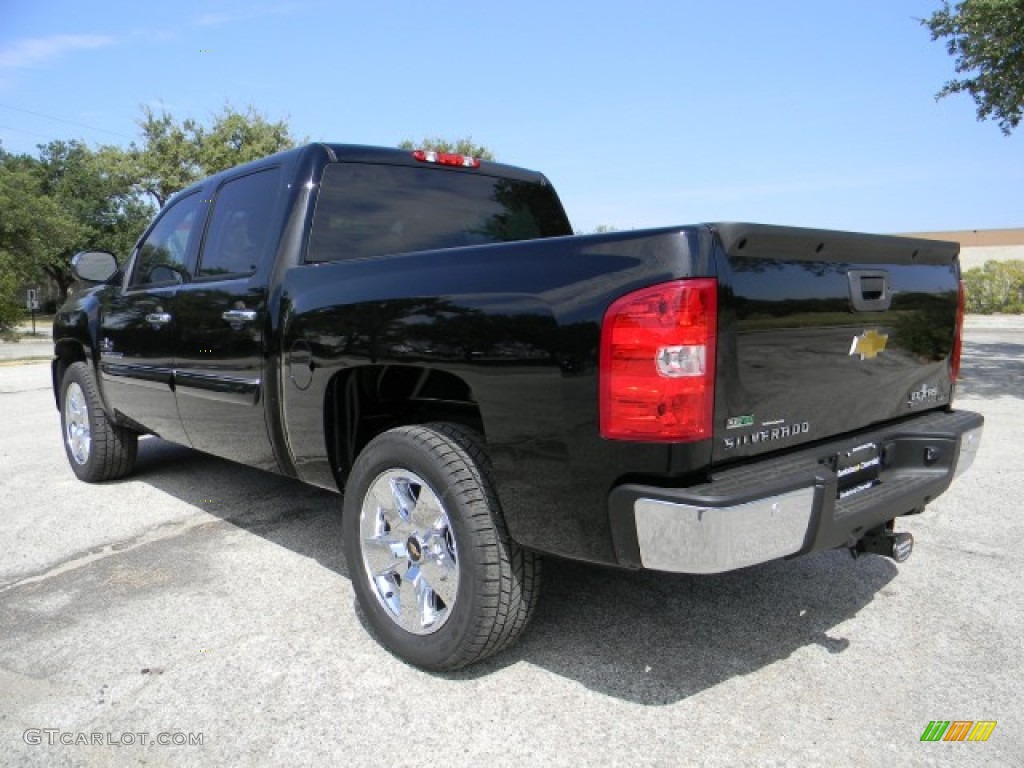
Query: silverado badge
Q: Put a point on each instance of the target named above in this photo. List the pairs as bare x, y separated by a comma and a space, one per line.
868, 344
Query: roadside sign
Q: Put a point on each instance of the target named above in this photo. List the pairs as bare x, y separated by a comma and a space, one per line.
32, 305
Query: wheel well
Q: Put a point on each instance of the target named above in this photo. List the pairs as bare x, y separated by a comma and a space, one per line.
67, 353
361, 403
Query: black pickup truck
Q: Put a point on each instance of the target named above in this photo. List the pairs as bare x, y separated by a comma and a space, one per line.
422, 332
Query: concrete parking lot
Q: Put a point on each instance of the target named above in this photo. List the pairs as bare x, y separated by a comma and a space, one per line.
208, 605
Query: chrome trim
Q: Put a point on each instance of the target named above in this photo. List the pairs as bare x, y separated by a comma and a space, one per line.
408, 551
682, 538
77, 433
970, 442
239, 315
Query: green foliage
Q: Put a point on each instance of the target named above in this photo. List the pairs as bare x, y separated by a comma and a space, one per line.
996, 287
10, 309
31, 220
168, 159
463, 146
64, 201
987, 39
237, 137
175, 154
33, 228
92, 189
72, 197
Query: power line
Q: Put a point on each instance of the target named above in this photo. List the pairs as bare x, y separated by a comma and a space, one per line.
22, 130
64, 120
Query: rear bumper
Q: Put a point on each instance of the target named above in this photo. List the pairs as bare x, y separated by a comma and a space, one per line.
788, 505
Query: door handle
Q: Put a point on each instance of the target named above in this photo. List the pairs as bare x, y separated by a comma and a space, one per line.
869, 290
239, 315
158, 318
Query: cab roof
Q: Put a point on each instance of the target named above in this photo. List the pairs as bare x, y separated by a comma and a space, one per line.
330, 152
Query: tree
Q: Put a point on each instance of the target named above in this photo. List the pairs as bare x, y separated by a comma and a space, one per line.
987, 39
237, 137
168, 159
996, 287
33, 229
10, 309
74, 198
463, 146
175, 154
95, 198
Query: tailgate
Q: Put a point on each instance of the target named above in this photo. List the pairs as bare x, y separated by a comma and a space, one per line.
822, 333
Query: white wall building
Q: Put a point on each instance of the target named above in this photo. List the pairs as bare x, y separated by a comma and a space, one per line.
980, 245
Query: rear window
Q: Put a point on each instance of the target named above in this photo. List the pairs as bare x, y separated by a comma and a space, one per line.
371, 210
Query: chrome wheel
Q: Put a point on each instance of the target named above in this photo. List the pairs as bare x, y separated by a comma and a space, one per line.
76, 423
408, 551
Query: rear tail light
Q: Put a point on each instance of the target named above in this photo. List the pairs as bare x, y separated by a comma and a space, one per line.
657, 364
446, 158
958, 334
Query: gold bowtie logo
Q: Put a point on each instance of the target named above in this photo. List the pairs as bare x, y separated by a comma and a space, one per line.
868, 344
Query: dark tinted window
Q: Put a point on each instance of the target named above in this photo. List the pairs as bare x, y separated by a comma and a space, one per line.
242, 225
371, 210
163, 255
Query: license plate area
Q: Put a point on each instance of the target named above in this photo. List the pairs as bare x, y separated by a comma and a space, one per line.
857, 470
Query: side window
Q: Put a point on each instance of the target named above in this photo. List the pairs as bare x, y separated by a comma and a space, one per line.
239, 234
163, 255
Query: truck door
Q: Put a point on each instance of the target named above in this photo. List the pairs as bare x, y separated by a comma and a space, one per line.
222, 315
138, 324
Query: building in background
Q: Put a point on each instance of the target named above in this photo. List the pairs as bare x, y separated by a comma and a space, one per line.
980, 245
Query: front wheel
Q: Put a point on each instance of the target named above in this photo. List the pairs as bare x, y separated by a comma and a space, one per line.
433, 567
97, 449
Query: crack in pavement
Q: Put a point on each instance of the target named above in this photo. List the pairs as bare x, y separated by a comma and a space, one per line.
80, 559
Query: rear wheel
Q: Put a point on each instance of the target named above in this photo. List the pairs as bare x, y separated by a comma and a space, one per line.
96, 449
431, 562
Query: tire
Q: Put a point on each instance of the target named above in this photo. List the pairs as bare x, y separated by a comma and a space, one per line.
433, 567
96, 449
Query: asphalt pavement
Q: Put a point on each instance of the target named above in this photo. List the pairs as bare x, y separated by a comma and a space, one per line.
208, 605
39, 347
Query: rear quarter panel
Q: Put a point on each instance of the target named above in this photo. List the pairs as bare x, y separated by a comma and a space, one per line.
519, 323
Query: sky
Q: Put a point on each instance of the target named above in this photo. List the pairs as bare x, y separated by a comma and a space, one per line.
642, 113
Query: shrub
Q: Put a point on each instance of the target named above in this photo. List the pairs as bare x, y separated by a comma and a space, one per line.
10, 308
997, 287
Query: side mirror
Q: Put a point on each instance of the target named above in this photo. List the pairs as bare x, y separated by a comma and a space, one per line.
94, 266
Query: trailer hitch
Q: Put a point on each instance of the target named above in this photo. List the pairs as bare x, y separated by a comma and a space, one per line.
885, 541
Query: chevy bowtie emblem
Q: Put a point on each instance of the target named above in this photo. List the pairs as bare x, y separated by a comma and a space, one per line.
868, 344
